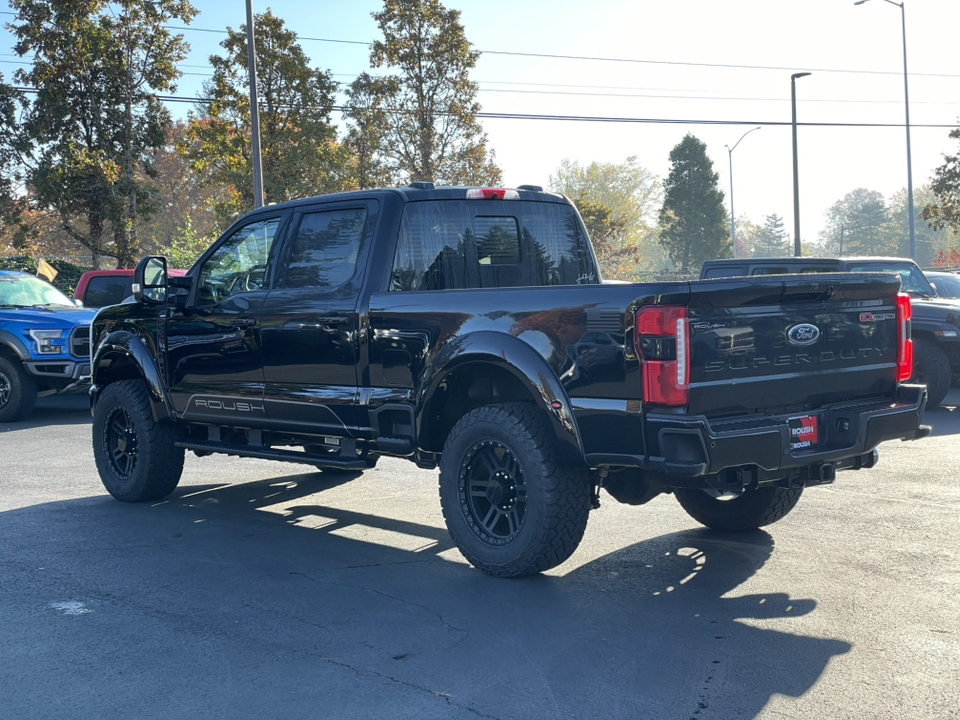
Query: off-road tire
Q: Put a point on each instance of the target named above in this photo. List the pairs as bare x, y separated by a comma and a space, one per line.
750, 510
18, 391
511, 506
931, 368
136, 456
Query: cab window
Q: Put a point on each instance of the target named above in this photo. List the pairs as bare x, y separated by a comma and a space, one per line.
239, 264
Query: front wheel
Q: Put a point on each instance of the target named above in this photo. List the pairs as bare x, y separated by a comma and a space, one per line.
735, 512
136, 456
18, 391
511, 506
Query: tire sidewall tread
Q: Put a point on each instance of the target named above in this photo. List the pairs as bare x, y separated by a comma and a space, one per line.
557, 500
159, 462
23, 391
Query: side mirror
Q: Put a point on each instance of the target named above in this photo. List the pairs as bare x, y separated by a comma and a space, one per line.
150, 280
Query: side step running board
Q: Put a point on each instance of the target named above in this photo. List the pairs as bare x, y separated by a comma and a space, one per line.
268, 453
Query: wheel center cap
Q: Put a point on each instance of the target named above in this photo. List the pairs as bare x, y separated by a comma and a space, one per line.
500, 490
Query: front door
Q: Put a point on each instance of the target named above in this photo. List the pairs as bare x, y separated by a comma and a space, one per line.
214, 360
309, 324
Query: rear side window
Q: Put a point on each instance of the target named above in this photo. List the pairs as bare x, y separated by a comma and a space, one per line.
452, 244
325, 250
106, 290
723, 271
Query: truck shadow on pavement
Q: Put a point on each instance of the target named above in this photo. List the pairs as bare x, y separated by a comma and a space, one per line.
265, 600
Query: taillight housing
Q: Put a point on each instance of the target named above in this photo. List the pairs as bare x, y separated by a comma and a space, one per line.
904, 341
663, 341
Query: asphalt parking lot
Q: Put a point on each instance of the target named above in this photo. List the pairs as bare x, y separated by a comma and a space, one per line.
266, 590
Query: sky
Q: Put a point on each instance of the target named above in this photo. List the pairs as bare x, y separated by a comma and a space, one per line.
640, 74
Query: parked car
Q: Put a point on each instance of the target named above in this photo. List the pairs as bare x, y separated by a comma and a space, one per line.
44, 343
935, 323
469, 328
99, 288
947, 284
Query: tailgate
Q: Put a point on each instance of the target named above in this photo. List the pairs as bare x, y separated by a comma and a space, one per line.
788, 343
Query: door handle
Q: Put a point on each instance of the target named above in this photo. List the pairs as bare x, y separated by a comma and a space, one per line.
331, 319
243, 322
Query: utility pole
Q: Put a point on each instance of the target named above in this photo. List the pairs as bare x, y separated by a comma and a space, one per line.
254, 111
796, 174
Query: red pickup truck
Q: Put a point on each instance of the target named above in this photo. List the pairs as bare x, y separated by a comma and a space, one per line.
99, 288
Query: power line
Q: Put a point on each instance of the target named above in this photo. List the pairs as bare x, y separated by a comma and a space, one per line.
604, 119
591, 58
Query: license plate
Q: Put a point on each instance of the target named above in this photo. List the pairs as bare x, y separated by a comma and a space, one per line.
804, 432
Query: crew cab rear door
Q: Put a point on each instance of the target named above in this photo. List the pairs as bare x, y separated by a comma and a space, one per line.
309, 322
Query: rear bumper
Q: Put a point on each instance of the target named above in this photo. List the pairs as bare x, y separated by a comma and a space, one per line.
694, 446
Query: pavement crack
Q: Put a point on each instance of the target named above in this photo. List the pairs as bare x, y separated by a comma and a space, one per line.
389, 597
446, 697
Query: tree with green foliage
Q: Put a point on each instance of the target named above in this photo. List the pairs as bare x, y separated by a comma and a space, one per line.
772, 240
930, 240
367, 126
630, 192
85, 136
693, 219
944, 210
858, 224
430, 130
300, 153
618, 260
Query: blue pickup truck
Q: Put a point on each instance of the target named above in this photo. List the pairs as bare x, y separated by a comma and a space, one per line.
44, 343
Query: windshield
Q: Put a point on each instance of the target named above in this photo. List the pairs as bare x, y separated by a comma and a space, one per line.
28, 291
912, 279
947, 286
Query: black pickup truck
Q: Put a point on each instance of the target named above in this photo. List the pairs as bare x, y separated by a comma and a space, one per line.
935, 324
469, 328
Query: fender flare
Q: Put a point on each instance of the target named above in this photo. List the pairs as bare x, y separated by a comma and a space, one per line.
14, 343
122, 342
519, 359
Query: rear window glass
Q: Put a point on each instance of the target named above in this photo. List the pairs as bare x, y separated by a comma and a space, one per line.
451, 244
106, 290
815, 269
770, 270
725, 271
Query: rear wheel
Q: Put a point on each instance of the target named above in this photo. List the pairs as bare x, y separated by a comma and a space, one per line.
18, 391
733, 512
511, 506
136, 456
931, 368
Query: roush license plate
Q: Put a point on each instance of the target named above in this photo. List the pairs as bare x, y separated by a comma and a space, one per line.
804, 432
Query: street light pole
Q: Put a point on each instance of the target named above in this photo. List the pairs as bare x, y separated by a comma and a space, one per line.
906, 104
733, 218
254, 111
796, 174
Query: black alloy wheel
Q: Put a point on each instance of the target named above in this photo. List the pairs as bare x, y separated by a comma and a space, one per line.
512, 505
493, 492
6, 389
137, 456
120, 442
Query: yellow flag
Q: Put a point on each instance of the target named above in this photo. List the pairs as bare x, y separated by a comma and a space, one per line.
46, 269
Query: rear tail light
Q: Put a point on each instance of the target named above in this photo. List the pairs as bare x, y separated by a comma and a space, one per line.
664, 345
904, 343
492, 194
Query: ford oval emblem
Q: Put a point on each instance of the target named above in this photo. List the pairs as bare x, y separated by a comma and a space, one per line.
803, 334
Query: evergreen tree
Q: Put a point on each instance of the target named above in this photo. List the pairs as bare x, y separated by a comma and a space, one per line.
772, 240
693, 218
